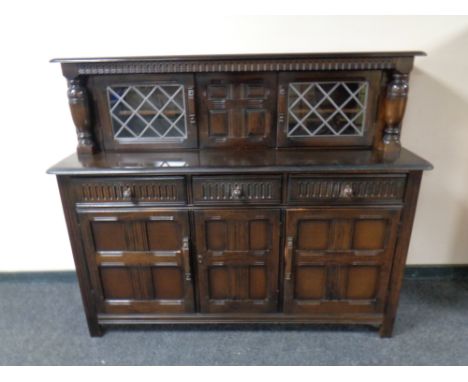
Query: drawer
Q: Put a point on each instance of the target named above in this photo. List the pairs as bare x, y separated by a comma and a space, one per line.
168, 190
237, 189
345, 189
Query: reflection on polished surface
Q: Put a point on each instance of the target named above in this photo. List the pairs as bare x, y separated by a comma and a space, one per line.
238, 161
170, 163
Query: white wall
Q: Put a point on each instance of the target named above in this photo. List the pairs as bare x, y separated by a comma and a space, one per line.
37, 131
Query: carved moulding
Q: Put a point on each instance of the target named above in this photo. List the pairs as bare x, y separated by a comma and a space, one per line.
394, 107
79, 107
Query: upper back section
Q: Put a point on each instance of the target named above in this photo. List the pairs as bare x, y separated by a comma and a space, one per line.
347, 100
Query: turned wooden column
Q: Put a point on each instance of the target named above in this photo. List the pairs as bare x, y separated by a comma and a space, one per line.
394, 106
79, 107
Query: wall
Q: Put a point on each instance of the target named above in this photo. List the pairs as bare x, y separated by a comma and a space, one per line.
37, 131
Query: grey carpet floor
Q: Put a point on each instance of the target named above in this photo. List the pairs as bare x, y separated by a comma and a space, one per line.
42, 323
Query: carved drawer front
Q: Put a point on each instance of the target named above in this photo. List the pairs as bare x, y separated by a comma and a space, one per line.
168, 190
237, 189
344, 189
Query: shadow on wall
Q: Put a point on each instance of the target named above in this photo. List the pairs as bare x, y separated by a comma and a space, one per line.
436, 126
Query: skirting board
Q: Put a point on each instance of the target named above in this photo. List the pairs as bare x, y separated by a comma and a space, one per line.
438, 272
422, 272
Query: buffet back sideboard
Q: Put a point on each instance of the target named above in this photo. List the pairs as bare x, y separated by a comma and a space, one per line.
240, 188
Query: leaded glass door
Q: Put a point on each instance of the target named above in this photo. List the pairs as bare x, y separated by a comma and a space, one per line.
326, 110
146, 111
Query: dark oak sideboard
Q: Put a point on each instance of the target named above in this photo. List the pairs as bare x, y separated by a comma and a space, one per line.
240, 188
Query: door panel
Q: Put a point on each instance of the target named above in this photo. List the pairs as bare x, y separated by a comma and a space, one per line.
310, 282
116, 282
237, 254
139, 261
338, 260
164, 235
168, 283
362, 282
109, 236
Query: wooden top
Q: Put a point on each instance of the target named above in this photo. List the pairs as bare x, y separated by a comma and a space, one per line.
400, 61
235, 161
252, 56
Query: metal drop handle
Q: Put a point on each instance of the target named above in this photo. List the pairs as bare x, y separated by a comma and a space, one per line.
236, 192
127, 193
347, 191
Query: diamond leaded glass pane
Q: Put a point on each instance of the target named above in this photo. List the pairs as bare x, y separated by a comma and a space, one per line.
328, 108
148, 112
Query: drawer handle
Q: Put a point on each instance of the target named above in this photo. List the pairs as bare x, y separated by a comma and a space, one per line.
288, 253
347, 192
236, 192
128, 193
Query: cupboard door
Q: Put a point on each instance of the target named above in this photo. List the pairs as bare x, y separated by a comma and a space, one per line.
327, 109
145, 111
237, 110
139, 261
338, 260
237, 256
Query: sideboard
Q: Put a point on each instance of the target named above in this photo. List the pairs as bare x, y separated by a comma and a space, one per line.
265, 188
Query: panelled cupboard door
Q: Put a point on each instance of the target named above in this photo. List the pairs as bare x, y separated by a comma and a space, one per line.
338, 260
139, 261
237, 260
237, 110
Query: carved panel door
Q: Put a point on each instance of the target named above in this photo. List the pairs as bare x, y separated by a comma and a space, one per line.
237, 110
338, 260
237, 255
139, 261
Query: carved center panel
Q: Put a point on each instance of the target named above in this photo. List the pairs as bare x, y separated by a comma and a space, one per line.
237, 110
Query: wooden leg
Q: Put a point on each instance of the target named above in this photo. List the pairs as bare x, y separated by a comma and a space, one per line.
386, 329
95, 330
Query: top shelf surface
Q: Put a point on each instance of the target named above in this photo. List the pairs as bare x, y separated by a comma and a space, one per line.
264, 56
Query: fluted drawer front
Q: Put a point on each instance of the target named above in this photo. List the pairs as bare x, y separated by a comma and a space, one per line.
167, 190
237, 189
343, 189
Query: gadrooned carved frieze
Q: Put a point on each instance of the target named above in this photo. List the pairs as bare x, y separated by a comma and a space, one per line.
237, 66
